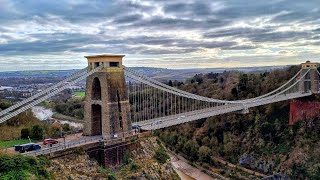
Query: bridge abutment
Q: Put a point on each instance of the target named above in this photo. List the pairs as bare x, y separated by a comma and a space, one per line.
303, 109
111, 155
114, 156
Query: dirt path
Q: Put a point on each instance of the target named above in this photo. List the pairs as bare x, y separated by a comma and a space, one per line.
183, 165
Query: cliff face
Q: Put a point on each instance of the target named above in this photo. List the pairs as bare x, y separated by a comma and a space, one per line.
150, 167
140, 164
75, 166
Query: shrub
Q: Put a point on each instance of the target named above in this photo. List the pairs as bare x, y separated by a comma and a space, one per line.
104, 172
161, 155
112, 177
126, 158
21, 167
25, 133
133, 166
37, 132
66, 127
79, 151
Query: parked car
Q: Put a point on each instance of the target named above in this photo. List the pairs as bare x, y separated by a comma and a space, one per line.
27, 147
136, 126
50, 141
78, 130
157, 122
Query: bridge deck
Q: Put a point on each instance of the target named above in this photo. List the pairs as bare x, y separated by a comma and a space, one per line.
172, 120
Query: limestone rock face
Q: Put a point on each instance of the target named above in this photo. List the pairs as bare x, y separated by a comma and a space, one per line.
81, 167
146, 149
75, 167
150, 168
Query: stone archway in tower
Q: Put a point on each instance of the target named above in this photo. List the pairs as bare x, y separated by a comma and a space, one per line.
96, 120
96, 89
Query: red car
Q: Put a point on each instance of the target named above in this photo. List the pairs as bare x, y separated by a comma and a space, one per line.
50, 141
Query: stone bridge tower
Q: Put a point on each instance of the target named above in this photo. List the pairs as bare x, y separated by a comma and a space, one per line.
311, 80
107, 109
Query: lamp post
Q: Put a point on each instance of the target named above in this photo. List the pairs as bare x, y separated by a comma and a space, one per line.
63, 136
64, 139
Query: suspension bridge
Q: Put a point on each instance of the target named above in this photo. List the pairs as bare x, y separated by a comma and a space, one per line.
119, 98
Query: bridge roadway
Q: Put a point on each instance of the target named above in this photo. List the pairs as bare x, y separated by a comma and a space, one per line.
176, 119
83, 140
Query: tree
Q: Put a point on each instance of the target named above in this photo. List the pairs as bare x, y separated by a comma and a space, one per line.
234, 92
229, 148
61, 108
4, 104
37, 132
191, 148
170, 83
267, 131
66, 127
214, 142
25, 133
204, 154
205, 141
172, 139
199, 78
299, 171
243, 82
79, 113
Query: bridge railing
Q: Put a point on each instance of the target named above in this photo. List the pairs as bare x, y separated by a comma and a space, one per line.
62, 146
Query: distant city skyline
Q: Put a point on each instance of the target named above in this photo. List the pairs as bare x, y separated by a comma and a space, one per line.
51, 35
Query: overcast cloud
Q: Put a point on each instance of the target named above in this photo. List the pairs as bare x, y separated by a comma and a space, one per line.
41, 34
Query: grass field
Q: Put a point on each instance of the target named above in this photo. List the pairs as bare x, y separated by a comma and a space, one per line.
7, 144
79, 93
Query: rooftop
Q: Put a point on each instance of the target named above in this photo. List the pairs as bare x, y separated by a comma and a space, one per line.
309, 62
105, 55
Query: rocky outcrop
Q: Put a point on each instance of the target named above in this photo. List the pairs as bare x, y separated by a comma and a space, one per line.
142, 165
150, 168
75, 166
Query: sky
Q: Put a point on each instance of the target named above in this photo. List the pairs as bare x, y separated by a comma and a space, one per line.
42, 34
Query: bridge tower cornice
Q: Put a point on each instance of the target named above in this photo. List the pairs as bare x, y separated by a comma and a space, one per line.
311, 80
109, 62
310, 65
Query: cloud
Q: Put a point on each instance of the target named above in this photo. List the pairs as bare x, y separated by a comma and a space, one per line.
239, 32
193, 9
128, 19
164, 31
